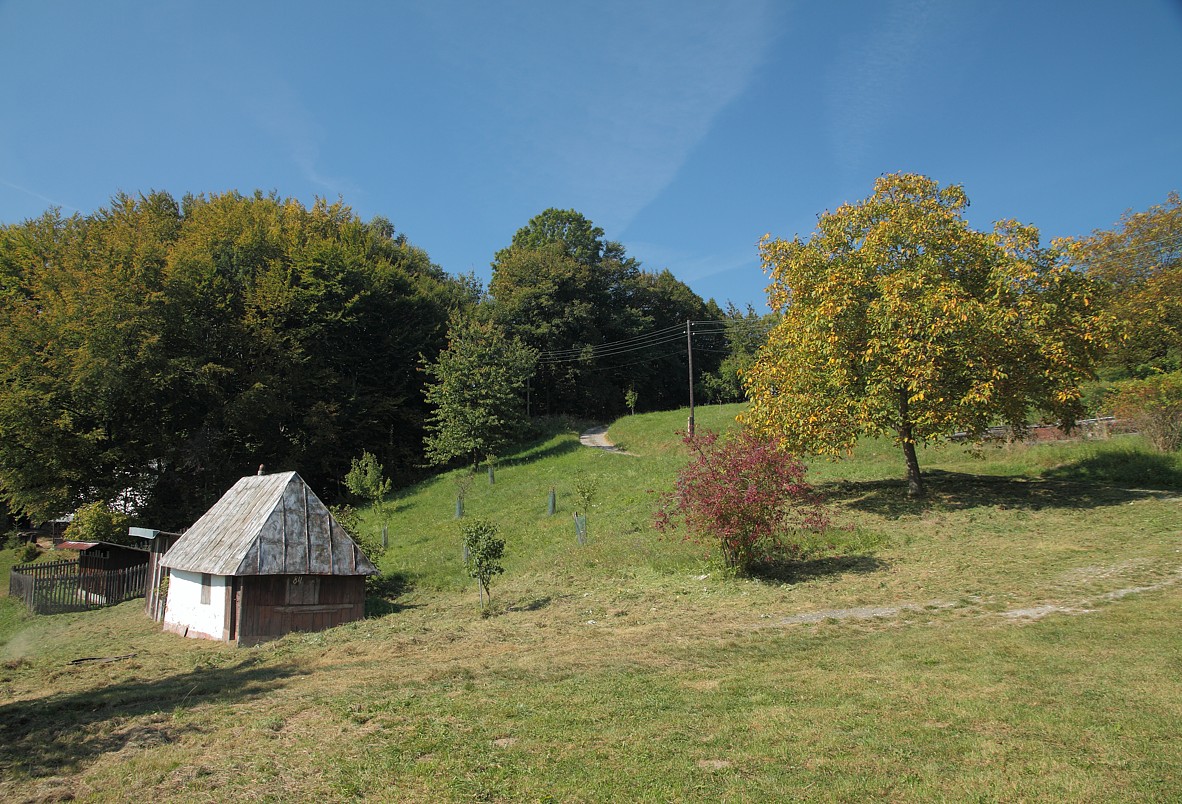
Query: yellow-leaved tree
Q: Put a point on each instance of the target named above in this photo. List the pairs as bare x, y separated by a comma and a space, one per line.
900, 319
1140, 261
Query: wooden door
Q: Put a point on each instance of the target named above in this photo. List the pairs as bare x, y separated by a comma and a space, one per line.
235, 607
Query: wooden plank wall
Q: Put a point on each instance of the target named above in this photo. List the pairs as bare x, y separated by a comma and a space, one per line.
156, 575
266, 612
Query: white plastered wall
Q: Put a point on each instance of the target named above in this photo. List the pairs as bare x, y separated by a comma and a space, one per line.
186, 614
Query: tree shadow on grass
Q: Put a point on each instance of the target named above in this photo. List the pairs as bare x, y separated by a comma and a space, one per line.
959, 491
532, 605
65, 732
529, 451
382, 593
1126, 467
787, 571
542, 430
540, 453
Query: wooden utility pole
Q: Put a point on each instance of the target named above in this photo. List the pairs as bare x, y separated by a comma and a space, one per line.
689, 350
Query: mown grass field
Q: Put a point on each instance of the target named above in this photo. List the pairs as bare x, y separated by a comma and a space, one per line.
1013, 638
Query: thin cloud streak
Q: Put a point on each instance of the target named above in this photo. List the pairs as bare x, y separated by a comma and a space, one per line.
674, 77
276, 108
603, 121
866, 90
695, 267
39, 196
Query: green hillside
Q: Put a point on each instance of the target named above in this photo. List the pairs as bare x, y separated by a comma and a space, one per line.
425, 536
1011, 638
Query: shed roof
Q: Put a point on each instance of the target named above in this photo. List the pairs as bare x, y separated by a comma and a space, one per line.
79, 546
151, 534
268, 525
82, 547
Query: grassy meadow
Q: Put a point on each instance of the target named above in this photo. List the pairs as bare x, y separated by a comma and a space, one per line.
1012, 638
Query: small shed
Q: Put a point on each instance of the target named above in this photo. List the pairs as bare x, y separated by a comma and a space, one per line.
267, 559
107, 572
103, 556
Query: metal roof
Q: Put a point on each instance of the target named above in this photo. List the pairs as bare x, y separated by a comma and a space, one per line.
268, 525
150, 533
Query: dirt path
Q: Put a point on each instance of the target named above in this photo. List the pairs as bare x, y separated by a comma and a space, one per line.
1074, 606
597, 437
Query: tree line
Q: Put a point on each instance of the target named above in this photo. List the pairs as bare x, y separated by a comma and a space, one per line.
154, 351
571, 325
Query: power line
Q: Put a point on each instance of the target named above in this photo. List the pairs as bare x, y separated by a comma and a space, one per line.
641, 336
613, 345
649, 340
610, 350
678, 353
629, 346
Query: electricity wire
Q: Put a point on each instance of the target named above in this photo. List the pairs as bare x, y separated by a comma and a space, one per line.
621, 345
637, 362
610, 350
651, 340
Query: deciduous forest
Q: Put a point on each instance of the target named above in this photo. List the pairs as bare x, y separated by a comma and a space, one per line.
156, 350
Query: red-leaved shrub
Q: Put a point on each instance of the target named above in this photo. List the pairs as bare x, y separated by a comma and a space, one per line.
746, 494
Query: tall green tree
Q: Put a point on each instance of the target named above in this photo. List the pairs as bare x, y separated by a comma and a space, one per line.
662, 304
556, 305
318, 321
157, 351
572, 234
477, 389
900, 319
82, 359
567, 292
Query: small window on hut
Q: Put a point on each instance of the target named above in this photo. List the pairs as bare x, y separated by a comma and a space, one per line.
206, 584
303, 590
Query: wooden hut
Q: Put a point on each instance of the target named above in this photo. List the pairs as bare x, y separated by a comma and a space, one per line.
104, 556
268, 558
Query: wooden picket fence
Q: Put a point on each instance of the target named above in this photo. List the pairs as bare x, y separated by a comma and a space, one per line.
60, 586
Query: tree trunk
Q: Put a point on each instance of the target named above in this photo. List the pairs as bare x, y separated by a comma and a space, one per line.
915, 488
914, 478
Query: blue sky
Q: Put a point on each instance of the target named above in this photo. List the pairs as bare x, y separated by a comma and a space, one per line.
685, 129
